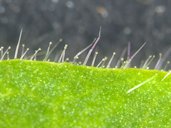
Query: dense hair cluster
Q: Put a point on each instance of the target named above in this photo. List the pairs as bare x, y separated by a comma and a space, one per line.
104, 63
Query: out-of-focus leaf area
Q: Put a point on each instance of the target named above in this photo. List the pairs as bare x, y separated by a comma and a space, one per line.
77, 22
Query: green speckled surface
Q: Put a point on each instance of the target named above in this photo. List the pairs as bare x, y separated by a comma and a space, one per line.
37, 94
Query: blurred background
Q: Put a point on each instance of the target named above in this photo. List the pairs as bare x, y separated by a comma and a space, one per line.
77, 22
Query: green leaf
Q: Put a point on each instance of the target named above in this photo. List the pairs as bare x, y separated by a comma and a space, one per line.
35, 94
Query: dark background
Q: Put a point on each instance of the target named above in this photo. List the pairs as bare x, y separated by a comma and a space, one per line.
77, 22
